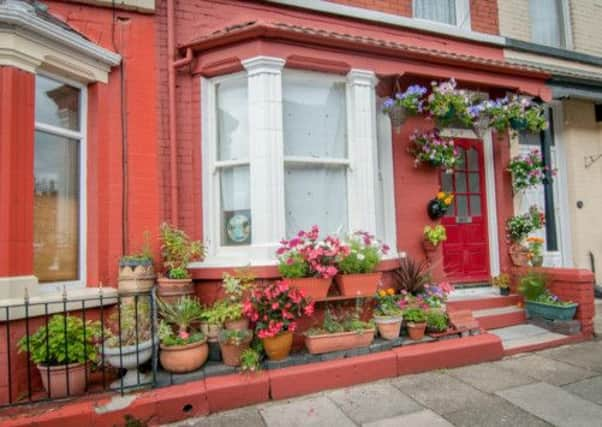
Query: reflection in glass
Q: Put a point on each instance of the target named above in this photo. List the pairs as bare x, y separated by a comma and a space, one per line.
232, 120
475, 205
57, 104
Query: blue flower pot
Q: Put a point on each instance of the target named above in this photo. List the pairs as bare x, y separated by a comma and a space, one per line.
550, 312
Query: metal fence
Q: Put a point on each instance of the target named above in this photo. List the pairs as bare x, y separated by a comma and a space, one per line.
72, 346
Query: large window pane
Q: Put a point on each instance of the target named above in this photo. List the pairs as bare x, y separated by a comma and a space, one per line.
56, 208
436, 10
57, 104
315, 194
546, 22
235, 206
314, 117
232, 120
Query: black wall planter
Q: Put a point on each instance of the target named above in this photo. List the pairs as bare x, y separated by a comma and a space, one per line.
435, 210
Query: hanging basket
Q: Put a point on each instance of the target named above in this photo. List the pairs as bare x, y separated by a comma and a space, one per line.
398, 116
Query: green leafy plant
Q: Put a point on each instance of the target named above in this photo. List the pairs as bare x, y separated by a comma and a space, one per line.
519, 226
250, 360
501, 281
387, 303
532, 285
234, 337
130, 324
170, 338
235, 286
142, 257
414, 315
294, 266
550, 299
66, 339
225, 311
435, 235
177, 250
411, 275
436, 320
363, 255
527, 170
180, 313
448, 105
334, 323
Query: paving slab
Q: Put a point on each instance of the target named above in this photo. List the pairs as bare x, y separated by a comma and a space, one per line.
372, 402
490, 378
439, 392
544, 369
245, 417
554, 405
315, 412
494, 413
585, 355
424, 418
590, 389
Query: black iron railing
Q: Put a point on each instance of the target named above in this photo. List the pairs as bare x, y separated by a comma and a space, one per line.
110, 340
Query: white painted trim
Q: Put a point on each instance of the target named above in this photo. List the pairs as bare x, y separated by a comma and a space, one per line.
391, 19
462, 9
53, 287
490, 195
567, 26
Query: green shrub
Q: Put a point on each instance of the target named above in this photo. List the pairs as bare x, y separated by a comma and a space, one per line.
436, 320
532, 286
414, 315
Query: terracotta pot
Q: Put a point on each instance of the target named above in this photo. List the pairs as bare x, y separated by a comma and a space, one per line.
519, 255
430, 249
231, 352
353, 285
184, 358
278, 347
318, 344
237, 325
171, 290
58, 379
388, 327
313, 287
536, 260
416, 330
136, 277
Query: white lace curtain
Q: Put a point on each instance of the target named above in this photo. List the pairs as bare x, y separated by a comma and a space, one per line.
436, 10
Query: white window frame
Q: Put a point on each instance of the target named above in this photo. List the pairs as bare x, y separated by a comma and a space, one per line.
264, 76
462, 15
81, 136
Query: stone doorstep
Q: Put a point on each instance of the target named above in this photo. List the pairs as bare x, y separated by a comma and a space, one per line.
565, 327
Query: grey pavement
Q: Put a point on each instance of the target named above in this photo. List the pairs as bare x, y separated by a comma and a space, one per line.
555, 387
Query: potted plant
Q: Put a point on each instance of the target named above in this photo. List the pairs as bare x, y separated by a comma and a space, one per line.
233, 343
436, 321
388, 315
403, 104
357, 265
337, 335
438, 206
136, 271
274, 309
448, 105
177, 250
309, 263
435, 295
415, 318
433, 237
236, 287
212, 319
411, 275
517, 229
502, 281
129, 342
183, 349
540, 302
250, 360
535, 250
61, 349
433, 149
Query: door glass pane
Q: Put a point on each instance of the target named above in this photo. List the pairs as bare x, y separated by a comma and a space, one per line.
436, 10
473, 159
314, 112
461, 206
475, 205
232, 120
447, 182
315, 194
56, 208
235, 206
57, 104
460, 182
473, 182
462, 158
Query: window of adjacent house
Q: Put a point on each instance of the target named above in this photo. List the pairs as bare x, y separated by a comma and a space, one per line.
58, 200
547, 22
436, 10
315, 152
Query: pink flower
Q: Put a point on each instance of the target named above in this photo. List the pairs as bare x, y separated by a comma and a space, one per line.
183, 335
309, 309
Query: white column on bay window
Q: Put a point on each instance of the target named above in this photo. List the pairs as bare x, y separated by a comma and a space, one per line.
266, 149
361, 119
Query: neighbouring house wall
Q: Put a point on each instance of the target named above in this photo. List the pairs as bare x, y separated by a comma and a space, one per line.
582, 137
514, 19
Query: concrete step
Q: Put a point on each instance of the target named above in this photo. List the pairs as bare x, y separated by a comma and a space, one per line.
499, 317
456, 302
527, 337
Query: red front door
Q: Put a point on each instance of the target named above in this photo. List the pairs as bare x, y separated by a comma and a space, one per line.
466, 251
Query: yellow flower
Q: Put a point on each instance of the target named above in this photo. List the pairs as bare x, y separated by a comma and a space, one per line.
391, 291
448, 200
382, 293
440, 195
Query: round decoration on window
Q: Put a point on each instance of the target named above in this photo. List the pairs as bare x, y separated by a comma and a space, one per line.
238, 228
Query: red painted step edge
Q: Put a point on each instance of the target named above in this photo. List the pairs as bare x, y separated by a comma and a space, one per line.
496, 321
483, 303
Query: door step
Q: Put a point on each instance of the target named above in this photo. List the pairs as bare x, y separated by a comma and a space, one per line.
475, 285
481, 302
527, 337
480, 291
499, 317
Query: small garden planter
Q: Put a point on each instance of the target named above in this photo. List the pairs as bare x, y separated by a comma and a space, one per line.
233, 345
279, 346
171, 290
388, 327
355, 285
54, 379
180, 359
326, 343
549, 311
519, 255
234, 325
129, 357
136, 275
211, 330
416, 330
312, 287
505, 291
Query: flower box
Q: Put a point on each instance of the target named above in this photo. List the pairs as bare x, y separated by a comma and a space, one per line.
312, 287
358, 285
326, 343
549, 311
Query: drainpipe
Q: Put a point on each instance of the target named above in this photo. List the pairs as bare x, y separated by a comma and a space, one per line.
172, 65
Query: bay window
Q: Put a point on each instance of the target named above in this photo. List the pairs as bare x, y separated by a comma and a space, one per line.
286, 149
59, 153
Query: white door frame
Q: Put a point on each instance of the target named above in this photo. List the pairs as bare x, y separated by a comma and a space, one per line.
490, 196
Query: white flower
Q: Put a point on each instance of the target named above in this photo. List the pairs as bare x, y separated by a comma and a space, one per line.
360, 257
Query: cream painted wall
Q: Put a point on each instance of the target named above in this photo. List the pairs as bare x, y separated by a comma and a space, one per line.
582, 137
